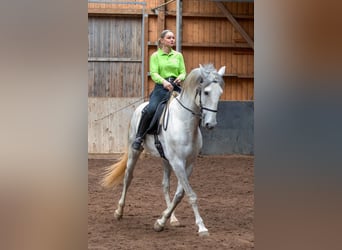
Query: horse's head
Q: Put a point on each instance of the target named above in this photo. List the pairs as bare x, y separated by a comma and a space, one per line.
209, 91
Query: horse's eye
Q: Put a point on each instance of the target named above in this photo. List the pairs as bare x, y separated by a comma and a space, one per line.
206, 93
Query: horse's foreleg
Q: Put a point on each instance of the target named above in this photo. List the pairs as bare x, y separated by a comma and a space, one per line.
182, 176
174, 221
132, 159
166, 189
160, 223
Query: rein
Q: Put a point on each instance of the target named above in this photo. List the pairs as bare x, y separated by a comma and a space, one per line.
198, 92
192, 112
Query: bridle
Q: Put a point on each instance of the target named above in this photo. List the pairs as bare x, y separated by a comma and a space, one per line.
198, 93
200, 114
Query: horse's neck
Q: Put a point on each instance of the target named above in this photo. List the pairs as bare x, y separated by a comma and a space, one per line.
188, 98
192, 110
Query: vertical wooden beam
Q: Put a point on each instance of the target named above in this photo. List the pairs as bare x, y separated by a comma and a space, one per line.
160, 23
179, 26
161, 17
236, 25
146, 55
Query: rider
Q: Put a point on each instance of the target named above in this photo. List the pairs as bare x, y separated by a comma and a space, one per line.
167, 70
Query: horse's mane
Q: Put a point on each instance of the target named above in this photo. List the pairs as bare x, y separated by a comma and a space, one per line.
194, 77
209, 67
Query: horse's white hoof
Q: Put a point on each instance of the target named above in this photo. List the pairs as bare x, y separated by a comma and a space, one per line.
157, 227
175, 223
203, 233
117, 216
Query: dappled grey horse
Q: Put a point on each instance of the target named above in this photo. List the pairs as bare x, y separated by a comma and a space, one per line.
181, 140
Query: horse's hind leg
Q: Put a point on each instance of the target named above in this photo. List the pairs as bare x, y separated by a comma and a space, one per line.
160, 223
166, 189
133, 156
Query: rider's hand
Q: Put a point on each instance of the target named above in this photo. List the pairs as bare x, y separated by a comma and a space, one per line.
167, 85
178, 81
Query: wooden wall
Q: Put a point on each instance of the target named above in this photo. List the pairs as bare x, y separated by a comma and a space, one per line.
108, 120
209, 37
115, 56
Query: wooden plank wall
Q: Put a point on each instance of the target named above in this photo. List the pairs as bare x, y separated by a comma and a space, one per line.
114, 80
108, 120
208, 37
114, 57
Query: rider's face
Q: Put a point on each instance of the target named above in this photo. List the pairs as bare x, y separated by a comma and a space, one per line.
169, 39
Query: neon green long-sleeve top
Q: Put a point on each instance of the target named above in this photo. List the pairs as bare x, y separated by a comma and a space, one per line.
164, 65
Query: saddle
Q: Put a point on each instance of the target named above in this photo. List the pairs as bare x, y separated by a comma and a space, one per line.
157, 122
157, 119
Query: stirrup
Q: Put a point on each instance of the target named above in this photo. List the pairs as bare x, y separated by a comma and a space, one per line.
137, 144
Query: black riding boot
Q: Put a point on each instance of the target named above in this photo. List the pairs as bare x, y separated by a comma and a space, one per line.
142, 129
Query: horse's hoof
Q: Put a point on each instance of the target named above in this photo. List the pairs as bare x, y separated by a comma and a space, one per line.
175, 223
117, 216
203, 233
157, 227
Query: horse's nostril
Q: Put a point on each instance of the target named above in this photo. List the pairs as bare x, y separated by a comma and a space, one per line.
208, 126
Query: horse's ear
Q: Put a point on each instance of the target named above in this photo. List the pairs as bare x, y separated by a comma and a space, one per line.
203, 72
222, 70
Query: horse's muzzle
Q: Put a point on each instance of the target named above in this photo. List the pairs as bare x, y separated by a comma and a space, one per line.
210, 125
209, 120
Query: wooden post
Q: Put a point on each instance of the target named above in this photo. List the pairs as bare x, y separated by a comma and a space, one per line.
146, 56
161, 17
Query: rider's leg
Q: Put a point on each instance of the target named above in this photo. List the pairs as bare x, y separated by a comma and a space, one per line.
158, 95
142, 128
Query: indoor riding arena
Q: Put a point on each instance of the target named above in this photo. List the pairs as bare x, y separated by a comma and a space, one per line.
122, 36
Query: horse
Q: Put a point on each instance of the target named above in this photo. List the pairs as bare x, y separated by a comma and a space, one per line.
181, 140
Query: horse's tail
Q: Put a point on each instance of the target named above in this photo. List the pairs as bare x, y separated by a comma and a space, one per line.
115, 173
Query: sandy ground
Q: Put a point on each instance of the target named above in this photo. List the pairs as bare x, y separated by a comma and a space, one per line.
224, 187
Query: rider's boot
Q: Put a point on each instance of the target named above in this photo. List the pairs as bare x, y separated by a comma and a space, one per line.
142, 129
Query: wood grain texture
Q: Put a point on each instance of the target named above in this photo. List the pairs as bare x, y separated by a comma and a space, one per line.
108, 120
